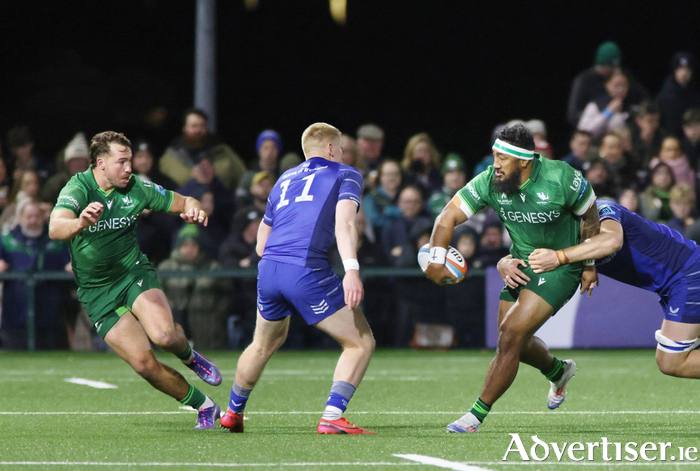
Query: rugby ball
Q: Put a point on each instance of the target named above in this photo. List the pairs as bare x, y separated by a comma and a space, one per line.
454, 262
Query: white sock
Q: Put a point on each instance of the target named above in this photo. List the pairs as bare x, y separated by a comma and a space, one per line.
207, 404
332, 413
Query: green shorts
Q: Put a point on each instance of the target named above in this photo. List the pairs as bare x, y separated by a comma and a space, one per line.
106, 304
556, 286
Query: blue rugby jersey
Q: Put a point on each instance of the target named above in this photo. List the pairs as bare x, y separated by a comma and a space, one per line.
301, 211
652, 254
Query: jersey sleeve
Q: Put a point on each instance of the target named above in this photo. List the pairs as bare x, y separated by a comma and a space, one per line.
268, 216
475, 194
578, 193
609, 210
72, 197
350, 185
157, 197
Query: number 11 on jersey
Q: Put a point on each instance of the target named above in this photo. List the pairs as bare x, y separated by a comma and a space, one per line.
305, 196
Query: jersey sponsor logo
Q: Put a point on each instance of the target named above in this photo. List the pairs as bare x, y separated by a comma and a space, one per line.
109, 204
541, 282
503, 200
605, 209
473, 192
113, 223
68, 200
578, 178
582, 191
522, 197
541, 217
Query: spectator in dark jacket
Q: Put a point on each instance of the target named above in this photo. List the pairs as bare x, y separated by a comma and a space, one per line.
590, 84
398, 247
677, 95
26, 248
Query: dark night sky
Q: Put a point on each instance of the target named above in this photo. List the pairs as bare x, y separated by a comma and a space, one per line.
452, 68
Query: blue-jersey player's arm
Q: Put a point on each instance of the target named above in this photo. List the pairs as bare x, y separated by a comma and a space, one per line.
263, 233
608, 241
346, 237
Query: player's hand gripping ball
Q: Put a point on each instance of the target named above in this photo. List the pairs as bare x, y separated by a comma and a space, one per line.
454, 262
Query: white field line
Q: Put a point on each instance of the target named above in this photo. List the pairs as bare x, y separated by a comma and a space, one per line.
92, 384
207, 465
472, 465
549, 413
441, 463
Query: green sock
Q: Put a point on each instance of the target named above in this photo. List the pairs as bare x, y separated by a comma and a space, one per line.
187, 355
194, 398
554, 372
480, 409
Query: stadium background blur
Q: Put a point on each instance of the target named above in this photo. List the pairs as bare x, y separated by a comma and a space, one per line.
454, 70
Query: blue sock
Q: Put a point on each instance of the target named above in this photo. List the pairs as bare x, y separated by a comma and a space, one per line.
341, 393
239, 396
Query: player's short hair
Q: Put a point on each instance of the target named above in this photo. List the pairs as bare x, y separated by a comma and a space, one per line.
317, 135
99, 145
517, 135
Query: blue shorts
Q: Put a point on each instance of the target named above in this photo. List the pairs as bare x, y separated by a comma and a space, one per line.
285, 289
680, 299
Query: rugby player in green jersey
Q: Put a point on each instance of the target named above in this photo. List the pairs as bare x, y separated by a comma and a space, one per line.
97, 212
542, 203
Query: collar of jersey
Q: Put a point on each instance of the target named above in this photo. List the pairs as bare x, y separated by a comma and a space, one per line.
536, 164
90, 178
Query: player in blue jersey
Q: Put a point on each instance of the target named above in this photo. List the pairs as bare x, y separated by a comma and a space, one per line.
308, 204
648, 255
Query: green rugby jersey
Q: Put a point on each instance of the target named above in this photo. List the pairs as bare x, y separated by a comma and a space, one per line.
105, 251
543, 213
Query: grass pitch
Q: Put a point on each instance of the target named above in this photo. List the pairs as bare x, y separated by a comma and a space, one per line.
407, 397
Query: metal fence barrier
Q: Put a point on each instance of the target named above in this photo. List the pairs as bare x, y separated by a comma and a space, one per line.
32, 278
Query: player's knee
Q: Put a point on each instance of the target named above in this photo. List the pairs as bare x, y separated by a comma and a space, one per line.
669, 363
166, 339
510, 337
672, 354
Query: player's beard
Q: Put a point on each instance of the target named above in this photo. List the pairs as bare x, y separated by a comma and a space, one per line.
508, 185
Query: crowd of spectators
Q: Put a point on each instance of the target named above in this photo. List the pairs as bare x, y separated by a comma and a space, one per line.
640, 150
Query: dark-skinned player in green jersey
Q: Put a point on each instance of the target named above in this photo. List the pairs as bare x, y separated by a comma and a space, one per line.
542, 203
97, 211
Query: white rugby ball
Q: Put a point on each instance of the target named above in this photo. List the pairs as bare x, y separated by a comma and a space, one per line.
454, 261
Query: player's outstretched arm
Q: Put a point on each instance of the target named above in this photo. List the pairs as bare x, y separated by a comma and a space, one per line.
443, 229
64, 224
346, 237
609, 241
189, 210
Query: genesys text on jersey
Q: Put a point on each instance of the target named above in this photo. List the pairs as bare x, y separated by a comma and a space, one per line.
113, 223
542, 217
